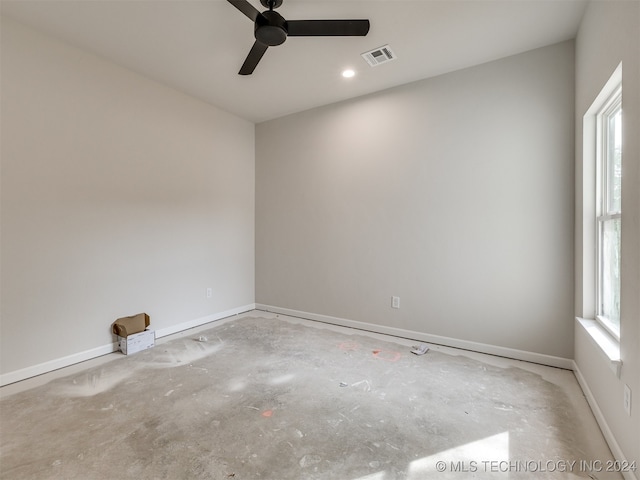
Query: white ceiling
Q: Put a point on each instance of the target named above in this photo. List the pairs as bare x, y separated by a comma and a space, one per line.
198, 46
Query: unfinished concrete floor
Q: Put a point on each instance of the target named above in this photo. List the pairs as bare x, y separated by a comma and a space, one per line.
277, 398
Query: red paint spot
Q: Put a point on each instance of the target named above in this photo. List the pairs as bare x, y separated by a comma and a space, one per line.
349, 346
389, 356
267, 413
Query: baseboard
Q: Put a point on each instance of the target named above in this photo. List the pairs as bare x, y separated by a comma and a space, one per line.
602, 422
50, 366
428, 338
58, 363
163, 332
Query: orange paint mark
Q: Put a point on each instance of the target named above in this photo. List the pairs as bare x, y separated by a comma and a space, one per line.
267, 413
389, 356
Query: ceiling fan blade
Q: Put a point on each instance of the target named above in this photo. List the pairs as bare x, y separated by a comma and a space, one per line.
328, 28
245, 7
251, 62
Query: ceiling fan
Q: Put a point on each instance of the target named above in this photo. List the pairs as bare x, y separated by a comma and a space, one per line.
271, 29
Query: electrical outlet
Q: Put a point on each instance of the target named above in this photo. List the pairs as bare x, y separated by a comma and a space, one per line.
209, 292
395, 302
627, 399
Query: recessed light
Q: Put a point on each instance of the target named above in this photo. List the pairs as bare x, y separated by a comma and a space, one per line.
348, 73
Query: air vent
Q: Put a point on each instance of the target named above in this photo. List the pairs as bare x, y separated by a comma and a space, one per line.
379, 55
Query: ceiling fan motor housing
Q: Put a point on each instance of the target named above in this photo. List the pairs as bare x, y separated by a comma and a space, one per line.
271, 3
271, 28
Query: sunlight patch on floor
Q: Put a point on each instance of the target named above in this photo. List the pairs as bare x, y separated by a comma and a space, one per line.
462, 458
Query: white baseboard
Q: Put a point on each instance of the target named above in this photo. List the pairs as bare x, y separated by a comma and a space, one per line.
50, 366
602, 422
428, 338
163, 332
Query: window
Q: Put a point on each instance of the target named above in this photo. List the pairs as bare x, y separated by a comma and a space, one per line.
608, 211
599, 220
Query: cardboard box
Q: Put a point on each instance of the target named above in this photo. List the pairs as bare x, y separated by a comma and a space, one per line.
137, 342
125, 326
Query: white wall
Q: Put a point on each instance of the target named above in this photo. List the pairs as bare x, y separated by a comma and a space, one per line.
454, 193
119, 196
609, 34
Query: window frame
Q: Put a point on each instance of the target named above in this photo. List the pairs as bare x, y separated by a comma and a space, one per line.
604, 213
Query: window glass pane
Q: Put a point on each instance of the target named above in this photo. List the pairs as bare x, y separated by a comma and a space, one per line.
610, 271
614, 162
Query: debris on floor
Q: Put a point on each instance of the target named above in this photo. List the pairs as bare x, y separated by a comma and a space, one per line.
366, 386
420, 349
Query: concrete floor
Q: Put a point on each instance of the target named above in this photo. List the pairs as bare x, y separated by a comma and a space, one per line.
272, 397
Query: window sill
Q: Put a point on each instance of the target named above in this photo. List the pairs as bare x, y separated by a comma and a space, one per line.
608, 345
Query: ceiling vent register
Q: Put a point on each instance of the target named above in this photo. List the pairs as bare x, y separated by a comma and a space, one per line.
379, 56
